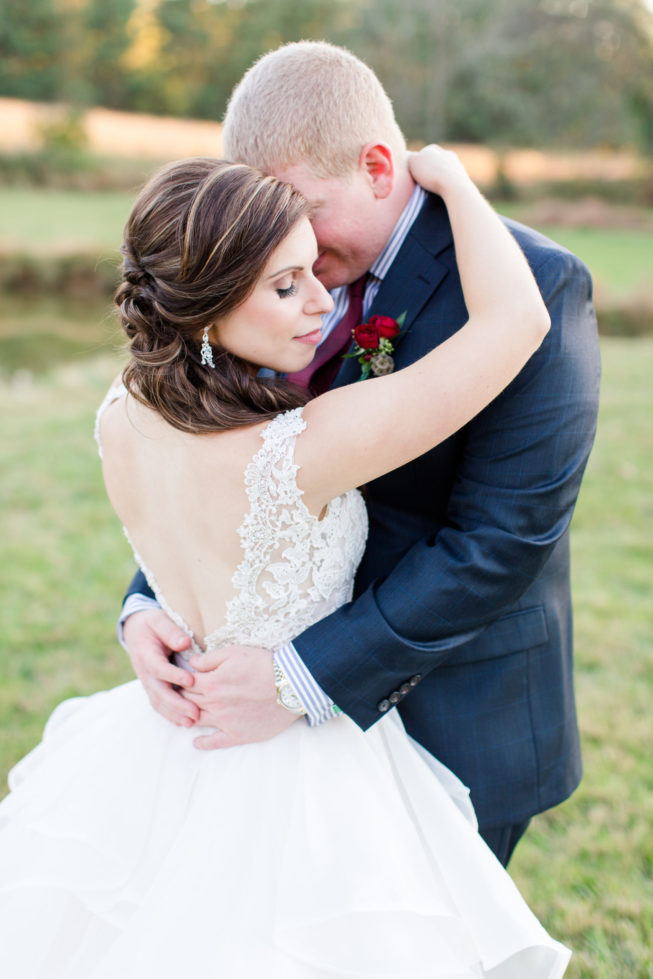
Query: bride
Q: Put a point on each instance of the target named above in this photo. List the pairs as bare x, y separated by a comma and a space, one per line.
124, 851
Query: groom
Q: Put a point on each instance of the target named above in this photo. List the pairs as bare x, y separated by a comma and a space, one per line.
462, 611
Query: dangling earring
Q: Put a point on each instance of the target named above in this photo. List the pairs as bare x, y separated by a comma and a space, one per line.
206, 351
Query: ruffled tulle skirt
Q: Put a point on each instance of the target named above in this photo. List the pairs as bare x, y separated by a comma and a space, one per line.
126, 853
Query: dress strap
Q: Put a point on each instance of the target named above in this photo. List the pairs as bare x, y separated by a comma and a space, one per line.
274, 533
270, 477
116, 391
283, 429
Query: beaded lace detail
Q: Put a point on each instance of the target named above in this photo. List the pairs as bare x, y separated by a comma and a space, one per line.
296, 568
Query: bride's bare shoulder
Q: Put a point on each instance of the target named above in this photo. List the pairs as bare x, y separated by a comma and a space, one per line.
129, 428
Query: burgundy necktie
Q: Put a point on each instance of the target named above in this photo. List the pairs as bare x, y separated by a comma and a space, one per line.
321, 372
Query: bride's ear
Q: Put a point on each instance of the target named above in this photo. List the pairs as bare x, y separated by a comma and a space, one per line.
211, 330
377, 162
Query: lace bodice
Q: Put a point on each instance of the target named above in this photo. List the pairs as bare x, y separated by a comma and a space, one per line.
295, 568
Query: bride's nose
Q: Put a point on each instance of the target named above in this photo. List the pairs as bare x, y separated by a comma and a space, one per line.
319, 300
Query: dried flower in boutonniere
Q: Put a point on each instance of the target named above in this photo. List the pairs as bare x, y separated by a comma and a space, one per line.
374, 346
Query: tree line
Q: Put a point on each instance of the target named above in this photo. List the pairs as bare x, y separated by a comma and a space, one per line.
501, 72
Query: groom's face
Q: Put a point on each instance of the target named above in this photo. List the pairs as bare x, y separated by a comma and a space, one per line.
344, 222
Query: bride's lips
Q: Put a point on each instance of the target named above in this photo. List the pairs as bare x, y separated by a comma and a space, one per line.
311, 338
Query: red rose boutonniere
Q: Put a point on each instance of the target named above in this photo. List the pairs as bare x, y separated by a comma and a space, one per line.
374, 346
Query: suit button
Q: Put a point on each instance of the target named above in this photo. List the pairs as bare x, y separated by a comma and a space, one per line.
404, 689
394, 697
383, 706
414, 680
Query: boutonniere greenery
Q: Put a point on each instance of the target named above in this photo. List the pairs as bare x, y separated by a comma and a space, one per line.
374, 344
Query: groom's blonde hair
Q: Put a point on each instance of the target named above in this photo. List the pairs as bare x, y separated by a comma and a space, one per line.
309, 102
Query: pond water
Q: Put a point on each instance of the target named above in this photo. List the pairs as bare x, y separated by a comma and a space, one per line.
37, 334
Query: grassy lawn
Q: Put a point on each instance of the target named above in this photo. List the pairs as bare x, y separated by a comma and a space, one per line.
43, 220
39, 333
64, 560
620, 259
587, 867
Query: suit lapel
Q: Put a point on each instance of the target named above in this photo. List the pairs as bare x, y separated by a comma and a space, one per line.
412, 278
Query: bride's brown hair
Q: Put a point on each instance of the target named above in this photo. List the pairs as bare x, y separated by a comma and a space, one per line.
195, 244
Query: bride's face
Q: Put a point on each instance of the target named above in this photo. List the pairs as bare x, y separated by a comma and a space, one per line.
278, 325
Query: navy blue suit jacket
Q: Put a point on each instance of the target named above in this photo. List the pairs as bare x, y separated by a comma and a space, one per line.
465, 579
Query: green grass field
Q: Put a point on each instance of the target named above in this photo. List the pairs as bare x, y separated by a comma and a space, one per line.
44, 220
620, 260
586, 867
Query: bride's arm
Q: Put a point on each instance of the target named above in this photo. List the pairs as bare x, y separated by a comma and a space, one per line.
403, 415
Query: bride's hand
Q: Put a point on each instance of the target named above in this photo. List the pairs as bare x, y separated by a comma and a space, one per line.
437, 169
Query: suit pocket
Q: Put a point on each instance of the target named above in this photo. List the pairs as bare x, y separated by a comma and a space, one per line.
511, 633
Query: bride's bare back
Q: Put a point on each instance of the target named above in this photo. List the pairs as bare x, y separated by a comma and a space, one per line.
182, 499
221, 528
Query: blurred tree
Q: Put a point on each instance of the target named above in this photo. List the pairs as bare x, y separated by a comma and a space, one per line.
204, 46
504, 72
562, 71
515, 71
105, 43
31, 48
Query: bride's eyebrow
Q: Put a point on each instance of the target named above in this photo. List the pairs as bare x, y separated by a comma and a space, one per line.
290, 268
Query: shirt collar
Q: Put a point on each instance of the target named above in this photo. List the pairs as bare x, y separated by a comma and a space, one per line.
380, 267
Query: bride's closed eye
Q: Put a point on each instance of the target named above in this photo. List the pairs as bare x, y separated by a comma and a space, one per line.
286, 293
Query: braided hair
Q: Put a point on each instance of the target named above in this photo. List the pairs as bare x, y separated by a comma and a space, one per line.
194, 247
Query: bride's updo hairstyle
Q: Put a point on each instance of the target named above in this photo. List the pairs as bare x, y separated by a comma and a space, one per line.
195, 244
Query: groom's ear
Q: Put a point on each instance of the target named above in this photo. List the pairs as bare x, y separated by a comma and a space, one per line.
377, 162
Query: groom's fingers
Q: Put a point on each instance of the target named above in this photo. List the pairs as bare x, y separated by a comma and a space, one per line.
170, 704
167, 672
205, 662
233, 727
149, 636
218, 739
170, 636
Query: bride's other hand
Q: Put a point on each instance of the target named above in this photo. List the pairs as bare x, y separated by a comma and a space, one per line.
435, 168
151, 638
236, 694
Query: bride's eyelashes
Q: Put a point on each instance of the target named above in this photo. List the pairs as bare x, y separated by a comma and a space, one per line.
291, 290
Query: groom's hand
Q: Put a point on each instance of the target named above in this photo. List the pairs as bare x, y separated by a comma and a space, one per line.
235, 692
151, 638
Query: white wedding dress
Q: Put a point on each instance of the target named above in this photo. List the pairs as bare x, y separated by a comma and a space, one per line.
126, 853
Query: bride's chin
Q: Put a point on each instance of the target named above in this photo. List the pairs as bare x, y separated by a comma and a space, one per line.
295, 364
290, 366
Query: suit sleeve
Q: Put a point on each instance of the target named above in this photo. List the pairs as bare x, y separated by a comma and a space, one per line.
514, 494
139, 586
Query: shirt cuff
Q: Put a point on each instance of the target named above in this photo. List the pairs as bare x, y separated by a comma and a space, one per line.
133, 603
318, 705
